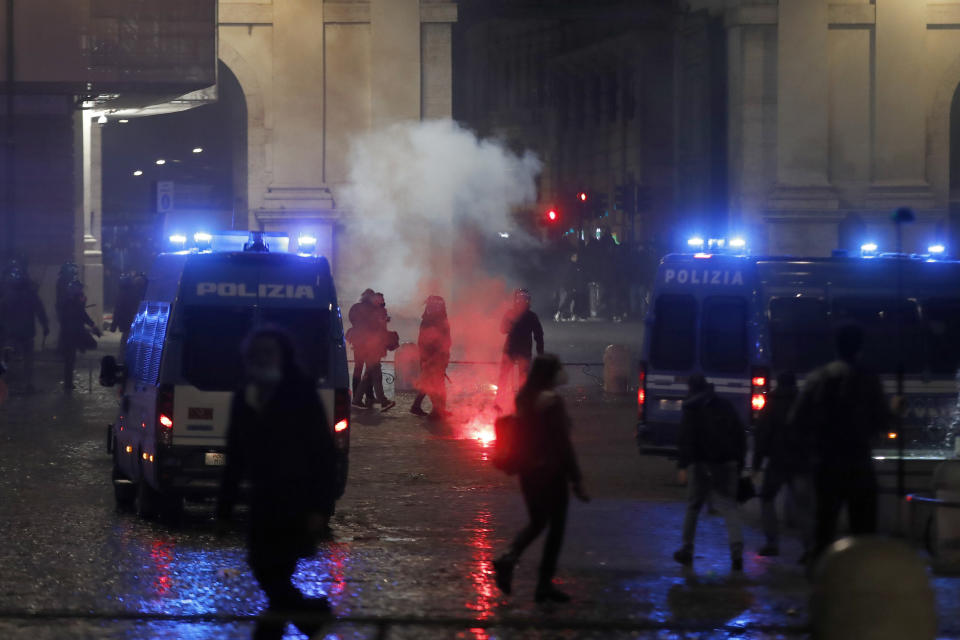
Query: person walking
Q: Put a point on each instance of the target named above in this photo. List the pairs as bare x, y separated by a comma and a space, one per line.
75, 328
359, 336
522, 328
843, 408
547, 466
20, 311
712, 450
279, 441
434, 346
786, 452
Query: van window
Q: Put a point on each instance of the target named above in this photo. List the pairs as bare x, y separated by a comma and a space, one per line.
144, 348
211, 351
878, 317
674, 338
800, 334
942, 319
724, 321
211, 346
310, 331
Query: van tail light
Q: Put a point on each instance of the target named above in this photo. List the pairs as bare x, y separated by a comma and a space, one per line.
341, 411
759, 386
165, 415
642, 393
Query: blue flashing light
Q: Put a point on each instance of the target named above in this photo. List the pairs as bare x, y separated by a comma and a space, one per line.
178, 239
306, 244
737, 243
202, 237
936, 249
868, 250
695, 241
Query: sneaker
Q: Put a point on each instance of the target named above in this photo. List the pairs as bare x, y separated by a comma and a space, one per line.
684, 557
549, 593
736, 563
386, 405
769, 551
417, 411
503, 574
359, 405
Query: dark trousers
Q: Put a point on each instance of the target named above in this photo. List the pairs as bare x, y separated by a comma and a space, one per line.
69, 364
547, 499
719, 479
372, 383
800, 486
509, 364
24, 346
357, 377
274, 576
853, 485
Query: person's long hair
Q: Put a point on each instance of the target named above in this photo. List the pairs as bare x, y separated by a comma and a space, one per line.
288, 351
543, 373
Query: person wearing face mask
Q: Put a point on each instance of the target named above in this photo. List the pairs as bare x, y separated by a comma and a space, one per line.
547, 466
279, 441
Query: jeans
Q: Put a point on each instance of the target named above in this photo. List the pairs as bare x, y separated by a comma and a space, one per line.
372, 383
547, 499
720, 478
800, 486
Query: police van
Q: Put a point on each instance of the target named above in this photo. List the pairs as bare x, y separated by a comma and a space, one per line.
183, 362
741, 320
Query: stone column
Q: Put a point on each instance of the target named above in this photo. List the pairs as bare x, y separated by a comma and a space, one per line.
802, 108
395, 60
899, 131
91, 261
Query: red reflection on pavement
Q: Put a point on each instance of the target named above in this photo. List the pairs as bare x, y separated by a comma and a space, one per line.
161, 552
485, 601
336, 561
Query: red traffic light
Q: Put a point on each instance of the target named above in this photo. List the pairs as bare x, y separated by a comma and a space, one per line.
552, 215
582, 196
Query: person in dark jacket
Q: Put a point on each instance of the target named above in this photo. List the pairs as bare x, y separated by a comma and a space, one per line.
434, 345
787, 455
843, 408
379, 340
522, 327
712, 446
547, 466
20, 311
75, 328
359, 336
279, 441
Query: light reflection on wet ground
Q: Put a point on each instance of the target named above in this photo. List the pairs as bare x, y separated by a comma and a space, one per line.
421, 520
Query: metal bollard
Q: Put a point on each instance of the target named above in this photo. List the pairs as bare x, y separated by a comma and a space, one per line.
874, 588
946, 485
618, 373
406, 367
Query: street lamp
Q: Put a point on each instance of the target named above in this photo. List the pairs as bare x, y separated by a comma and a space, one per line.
198, 149
138, 172
161, 161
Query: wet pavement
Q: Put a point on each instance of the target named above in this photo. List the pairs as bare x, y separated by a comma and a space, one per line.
423, 515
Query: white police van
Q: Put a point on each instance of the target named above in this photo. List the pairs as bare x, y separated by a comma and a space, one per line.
183, 363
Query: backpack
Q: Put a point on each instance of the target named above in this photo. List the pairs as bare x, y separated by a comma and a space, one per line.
505, 456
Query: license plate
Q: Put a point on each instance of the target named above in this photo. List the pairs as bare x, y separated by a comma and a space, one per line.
215, 459
670, 405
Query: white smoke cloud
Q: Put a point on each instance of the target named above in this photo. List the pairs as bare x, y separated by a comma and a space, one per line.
407, 184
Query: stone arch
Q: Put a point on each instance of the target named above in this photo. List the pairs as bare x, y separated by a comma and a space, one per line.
257, 169
938, 132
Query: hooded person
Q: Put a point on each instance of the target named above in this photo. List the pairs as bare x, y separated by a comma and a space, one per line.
712, 448
279, 441
548, 469
360, 337
434, 345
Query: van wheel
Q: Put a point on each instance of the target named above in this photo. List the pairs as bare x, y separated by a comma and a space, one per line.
124, 490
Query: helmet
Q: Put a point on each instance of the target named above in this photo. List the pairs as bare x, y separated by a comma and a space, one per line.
13, 274
435, 304
522, 294
69, 271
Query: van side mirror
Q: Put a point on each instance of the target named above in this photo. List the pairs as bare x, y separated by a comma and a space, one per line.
111, 372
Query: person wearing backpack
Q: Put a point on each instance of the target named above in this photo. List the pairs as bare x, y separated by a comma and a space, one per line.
844, 409
712, 449
786, 452
547, 465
